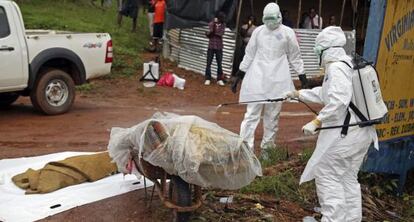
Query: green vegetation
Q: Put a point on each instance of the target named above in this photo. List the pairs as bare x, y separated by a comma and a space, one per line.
83, 16
306, 154
283, 183
85, 87
274, 155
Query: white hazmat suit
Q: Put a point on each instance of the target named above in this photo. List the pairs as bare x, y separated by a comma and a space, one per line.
270, 50
336, 160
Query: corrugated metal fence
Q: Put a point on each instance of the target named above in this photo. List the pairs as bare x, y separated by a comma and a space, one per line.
189, 49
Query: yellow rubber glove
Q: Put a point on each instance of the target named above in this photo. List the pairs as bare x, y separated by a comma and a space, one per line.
310, 128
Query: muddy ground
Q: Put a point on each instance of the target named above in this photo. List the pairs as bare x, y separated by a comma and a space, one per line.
124, 102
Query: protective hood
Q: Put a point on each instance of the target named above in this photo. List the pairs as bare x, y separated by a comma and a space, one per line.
329, 45
331, 36
272, 18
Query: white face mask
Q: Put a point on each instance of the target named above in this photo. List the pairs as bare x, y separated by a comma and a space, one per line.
318, 50
272, 25
272, 22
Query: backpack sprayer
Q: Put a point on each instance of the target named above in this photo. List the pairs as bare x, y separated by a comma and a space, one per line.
366, 103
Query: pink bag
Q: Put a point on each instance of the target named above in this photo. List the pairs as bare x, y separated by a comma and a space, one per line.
166, 80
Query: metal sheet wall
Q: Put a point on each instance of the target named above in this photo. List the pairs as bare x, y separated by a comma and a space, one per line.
189, 49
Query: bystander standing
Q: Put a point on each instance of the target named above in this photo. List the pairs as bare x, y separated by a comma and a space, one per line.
128, 8
215, 47
150, 15
313, 21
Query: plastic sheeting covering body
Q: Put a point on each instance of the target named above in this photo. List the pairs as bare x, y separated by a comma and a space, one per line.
200, 152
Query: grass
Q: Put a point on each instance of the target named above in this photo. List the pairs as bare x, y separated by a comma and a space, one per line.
306, 154
85, 87
275, 155
82, 16
285, 184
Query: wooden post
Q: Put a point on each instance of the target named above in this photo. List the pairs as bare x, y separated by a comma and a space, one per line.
320, 14
342, 12
238, 17
364, 19
299, 13
354, 13
251, 8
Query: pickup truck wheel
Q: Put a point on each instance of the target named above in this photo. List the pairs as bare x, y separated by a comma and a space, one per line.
54, 92
6, 99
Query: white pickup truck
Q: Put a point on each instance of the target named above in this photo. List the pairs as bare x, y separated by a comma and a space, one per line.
46, 65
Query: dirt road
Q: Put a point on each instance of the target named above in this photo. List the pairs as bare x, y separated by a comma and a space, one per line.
124, 102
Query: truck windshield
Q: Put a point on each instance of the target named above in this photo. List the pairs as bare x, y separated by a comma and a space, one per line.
4, 24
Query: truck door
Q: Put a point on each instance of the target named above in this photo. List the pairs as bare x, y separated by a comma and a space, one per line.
11, 60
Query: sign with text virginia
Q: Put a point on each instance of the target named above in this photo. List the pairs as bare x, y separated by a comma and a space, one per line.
395, 65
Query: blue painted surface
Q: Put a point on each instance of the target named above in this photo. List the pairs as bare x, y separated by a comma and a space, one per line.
374, 29
394, 157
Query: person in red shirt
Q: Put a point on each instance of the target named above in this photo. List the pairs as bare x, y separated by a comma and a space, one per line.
159, 18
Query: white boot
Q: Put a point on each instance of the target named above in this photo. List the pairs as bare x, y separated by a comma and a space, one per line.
220, 83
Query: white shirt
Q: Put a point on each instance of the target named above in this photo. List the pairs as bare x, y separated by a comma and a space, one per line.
308, 22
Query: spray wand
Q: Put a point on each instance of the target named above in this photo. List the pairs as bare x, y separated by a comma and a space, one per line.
361, 124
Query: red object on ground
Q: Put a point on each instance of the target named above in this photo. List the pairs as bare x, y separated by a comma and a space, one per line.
166, 80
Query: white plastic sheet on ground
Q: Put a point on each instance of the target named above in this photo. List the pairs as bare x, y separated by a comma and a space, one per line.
16, 206
200, 152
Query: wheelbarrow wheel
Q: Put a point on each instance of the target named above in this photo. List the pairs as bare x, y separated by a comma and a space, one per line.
180, 194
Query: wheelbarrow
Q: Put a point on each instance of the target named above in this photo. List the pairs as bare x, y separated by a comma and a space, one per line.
178, 195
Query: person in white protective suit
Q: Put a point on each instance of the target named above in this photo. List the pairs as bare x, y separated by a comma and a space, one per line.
266, 69
336, 160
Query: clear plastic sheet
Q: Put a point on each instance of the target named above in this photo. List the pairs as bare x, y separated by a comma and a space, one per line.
200, 152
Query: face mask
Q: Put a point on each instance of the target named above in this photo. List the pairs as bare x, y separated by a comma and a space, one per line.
272, 25
272, 22
319, 51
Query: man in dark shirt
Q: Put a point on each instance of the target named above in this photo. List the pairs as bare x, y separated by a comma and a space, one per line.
215, 47
245, 32
129, 8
